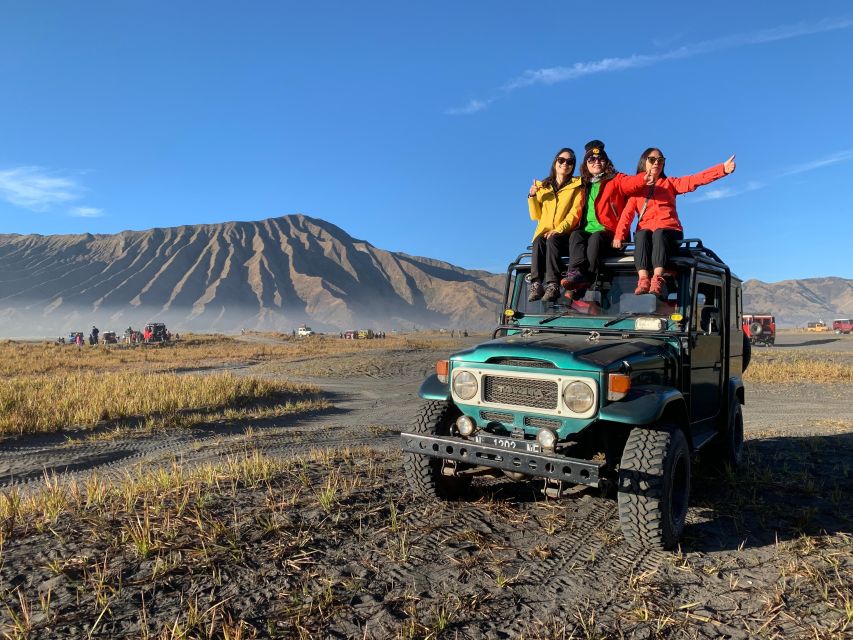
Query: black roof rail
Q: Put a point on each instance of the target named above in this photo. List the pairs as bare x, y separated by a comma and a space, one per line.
694, 246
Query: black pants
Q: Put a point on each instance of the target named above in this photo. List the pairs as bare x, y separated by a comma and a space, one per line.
546, 257
653, 248
586, 249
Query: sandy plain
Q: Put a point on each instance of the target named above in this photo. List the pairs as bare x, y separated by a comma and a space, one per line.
323, 539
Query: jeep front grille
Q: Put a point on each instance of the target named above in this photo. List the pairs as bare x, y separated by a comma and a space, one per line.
496, 416
530, 421
523, 392
522, 362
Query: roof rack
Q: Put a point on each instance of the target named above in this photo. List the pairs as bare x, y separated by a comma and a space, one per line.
688, 247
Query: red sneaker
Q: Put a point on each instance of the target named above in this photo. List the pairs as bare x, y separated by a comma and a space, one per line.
643, 285
657, 286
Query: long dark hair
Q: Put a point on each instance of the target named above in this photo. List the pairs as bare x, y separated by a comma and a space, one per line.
609, 169
641, 165
551, 180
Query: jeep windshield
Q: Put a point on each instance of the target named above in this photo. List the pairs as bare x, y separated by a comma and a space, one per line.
605, 303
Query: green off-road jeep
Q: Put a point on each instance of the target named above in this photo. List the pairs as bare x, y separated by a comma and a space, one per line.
612, 390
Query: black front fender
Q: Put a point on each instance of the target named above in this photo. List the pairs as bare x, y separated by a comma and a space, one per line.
646, 408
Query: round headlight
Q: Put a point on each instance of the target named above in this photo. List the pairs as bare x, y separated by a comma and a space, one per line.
578, 397
465, 385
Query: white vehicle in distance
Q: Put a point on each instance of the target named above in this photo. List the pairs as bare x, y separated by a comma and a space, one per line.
304, 331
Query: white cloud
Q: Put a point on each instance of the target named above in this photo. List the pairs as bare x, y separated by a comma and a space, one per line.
86, 212
553, 75
473, 106
835, 158
722, 192
35, 189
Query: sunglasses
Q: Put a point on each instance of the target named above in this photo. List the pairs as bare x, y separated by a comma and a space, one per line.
655, 159
562, 161
592, 159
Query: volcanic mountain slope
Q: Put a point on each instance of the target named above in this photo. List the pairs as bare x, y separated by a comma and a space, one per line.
796, 302
273, 274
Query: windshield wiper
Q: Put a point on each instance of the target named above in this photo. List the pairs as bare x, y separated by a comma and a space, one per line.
558, 315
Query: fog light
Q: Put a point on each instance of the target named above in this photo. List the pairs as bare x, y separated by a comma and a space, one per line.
546, 439
465, 426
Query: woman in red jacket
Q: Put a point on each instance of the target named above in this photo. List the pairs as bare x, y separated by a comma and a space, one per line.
659, 229
605, 192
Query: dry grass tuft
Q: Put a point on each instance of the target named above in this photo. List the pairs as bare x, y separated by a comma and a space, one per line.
31, 404
798, 367
194, 351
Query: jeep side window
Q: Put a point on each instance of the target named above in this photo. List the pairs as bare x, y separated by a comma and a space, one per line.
707, 315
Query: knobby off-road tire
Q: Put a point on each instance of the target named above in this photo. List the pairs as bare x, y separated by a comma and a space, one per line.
423, 472
654, 487
747, 352
727, 447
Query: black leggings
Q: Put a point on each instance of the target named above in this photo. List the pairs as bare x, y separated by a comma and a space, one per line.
585, 249
546, 253
653, 248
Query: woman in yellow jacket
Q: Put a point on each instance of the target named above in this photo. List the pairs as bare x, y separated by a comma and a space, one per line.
555, 204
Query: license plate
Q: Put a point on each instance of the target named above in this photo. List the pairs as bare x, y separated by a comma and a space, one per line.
509, 443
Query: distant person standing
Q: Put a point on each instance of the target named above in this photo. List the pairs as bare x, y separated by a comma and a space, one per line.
554, 203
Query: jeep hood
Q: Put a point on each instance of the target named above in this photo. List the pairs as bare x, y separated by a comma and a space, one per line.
566, 351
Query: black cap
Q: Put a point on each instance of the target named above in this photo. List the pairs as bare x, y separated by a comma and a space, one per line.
594, 148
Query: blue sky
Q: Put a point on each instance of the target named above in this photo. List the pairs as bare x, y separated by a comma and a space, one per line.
418, 126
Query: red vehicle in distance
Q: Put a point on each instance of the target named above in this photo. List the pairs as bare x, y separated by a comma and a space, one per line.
842, 325
762, 328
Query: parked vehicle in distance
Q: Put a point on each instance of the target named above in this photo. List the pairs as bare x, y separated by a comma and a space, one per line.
109, 337
762, 328
365, 334
155, 332
304, 331
72, 337
605, 388
842, 325
818, 326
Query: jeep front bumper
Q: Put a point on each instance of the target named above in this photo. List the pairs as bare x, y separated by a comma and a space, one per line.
542, 465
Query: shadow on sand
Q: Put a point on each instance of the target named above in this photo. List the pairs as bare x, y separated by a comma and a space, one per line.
787, 487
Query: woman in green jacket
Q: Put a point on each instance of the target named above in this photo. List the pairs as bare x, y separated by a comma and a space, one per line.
555, 204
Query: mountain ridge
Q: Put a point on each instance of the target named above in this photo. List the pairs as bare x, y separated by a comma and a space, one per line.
279, 273
275, 273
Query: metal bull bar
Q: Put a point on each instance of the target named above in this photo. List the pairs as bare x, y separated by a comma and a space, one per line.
543, 465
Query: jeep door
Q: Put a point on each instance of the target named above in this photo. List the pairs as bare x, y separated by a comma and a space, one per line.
707, 355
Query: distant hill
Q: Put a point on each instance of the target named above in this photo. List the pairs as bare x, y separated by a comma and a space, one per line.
277, 274
796, 302
274, 274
